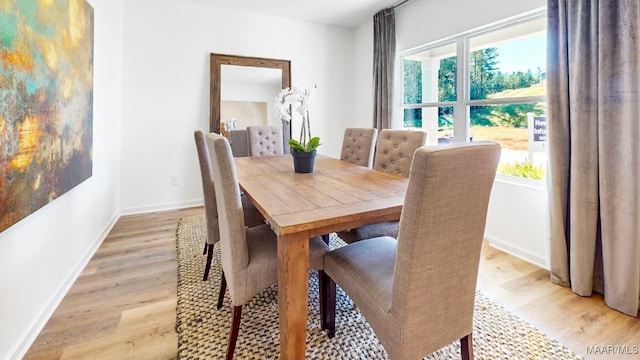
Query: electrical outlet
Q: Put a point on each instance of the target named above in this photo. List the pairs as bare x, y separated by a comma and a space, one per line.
173, 180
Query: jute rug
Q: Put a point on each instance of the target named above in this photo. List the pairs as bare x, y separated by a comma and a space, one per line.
203, 330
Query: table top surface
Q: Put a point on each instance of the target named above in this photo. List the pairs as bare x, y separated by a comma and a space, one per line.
338, 195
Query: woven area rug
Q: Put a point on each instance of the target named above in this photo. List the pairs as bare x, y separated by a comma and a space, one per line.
203, 330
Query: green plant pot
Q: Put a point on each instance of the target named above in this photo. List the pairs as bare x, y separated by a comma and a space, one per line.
303, 161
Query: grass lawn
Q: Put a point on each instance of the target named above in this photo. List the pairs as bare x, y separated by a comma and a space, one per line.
511, 139
533, 90
508, 137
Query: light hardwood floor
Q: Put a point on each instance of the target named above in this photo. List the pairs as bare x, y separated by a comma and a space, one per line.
123, 304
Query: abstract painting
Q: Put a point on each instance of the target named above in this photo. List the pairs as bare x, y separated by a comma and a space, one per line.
46, 102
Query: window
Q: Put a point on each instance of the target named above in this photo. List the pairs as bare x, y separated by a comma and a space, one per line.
499, 95
430, 79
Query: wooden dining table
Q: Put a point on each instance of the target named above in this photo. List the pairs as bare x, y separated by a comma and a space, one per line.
337, 196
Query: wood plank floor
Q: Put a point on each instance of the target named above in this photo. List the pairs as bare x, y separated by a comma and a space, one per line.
123, 304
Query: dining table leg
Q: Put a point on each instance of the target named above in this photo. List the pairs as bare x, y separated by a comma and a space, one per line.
293, 287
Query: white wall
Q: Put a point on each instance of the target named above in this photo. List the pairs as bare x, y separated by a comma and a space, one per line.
42, 255
422, 21
517, 219
166, 87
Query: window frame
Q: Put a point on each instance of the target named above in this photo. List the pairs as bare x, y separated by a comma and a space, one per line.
463, 103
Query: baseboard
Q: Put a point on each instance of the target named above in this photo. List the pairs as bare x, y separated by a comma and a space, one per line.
518, 252
38, 324
162, 207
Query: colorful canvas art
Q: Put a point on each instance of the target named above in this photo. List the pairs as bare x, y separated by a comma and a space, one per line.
46, 102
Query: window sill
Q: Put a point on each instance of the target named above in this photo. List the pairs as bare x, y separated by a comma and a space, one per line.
521, 181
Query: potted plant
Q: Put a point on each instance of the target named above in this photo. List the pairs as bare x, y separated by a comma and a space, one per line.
304, 149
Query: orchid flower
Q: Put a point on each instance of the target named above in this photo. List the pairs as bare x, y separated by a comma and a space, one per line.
298, 99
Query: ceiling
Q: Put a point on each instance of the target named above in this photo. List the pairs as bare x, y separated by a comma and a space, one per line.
345, 13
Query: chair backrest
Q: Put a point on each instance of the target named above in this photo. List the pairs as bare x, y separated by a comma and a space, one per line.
233, 238
265, 140
239, 143
395, 149
210, 206
439, 242
358, 145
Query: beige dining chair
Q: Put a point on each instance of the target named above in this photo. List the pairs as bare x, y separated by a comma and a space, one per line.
418, 292
265, 140
252, 216
393, 155
358, 145
249, 255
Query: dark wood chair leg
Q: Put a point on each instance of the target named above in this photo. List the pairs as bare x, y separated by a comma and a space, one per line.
325, 238
466, 347
328, 304
321, 279
223, 288
204, 252
208, 266
235, 328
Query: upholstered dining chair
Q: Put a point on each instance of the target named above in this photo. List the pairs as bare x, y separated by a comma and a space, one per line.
393, 155
252, 216
418, 292
265, 140
358, 145
249, 255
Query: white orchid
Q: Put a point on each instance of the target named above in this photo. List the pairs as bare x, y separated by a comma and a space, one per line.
305, 101
293, 98
298, 99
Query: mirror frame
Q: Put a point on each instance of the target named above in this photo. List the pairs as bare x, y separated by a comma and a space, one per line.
216, 62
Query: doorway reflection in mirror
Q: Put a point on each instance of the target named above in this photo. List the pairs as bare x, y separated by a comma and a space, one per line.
246, 97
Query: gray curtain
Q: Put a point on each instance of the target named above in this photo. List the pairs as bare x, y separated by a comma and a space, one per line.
384, 54
594, 148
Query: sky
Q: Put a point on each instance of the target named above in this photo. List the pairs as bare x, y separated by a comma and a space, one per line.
523, 54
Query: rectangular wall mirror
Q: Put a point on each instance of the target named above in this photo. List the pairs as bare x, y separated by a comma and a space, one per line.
242, 92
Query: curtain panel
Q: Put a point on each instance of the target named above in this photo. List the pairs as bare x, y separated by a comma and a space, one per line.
384, 54
594, 148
